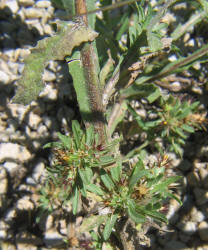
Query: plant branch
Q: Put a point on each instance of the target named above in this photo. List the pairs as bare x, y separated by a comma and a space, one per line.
88, 62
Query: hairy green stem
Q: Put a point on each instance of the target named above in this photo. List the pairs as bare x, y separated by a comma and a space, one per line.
88, 61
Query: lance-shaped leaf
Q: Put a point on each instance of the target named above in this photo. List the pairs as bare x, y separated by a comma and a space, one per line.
92, 222
52, 48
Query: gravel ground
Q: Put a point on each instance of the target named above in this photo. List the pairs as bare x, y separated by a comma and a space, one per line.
25, 129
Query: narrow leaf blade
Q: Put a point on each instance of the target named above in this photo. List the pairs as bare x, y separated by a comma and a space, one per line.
109, 226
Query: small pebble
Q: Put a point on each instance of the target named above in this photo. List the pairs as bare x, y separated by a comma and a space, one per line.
203, 230
26, 3
3, 181
33, 13
12, 4
43, 4
4, 78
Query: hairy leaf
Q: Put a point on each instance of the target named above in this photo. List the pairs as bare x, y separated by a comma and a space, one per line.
92, 222
52, 48
109, 226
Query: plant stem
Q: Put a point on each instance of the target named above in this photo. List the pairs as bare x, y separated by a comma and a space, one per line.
88, 62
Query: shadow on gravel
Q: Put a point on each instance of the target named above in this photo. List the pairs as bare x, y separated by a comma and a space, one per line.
22, 226
14, 33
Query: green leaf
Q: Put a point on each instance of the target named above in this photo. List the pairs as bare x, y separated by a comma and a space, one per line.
188, 128
184, 113
182, 63
181, 29
116, 172
95, 189
124, 26
66, 140
82, 188
141, 91
138, 173
89, 135
179, 131
75, 200
204, 4
58, 4
106, 159
157, 215
164, 184
134, 215
106, 70
194, 105
77, 133
77, 73
154, 41
175, 198
152, 124
30, 85
92, 222
86, 175
154, 96
53, 145
177, 148
109, 226
106, 180
69, 6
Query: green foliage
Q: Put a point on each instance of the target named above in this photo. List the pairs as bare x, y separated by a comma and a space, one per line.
175, 120
47, 49
75, 158
125, 68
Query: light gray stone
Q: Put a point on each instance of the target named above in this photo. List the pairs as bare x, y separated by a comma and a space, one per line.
3, 230
42, 130
34, 120
196, 215
43, 4
25, 204
14, 152
4, 78
17, 110
11, 166
188, 227
33, 13
8, 246
3, 181
49, 76
12, 4
63, 226
47, 29
26, 3
14, 67
49, 93
26, 246
35, 23
39, 171
10, 215
203, 230
53, 239
30, 181
203, 173
49, 222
